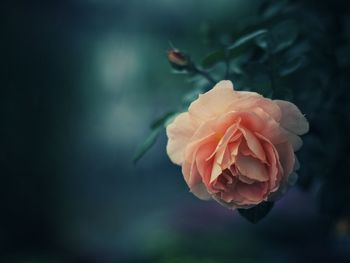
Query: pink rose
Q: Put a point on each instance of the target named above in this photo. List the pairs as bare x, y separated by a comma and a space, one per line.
237, 147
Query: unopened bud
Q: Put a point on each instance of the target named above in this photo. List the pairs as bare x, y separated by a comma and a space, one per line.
178, 59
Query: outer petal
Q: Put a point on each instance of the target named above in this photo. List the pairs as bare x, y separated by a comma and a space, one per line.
179, 133
252, 101
255, 193
292, 119
189, 167
214, 102
286, 156
276, 133
201, 192
274, 168
252, 168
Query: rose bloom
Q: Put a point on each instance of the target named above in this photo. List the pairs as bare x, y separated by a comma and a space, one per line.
237, 147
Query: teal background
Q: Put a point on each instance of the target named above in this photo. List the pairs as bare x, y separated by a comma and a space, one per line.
82, 81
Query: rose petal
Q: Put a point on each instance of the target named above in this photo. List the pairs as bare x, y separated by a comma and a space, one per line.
201, 191
275, 133
274, 168
253, 192
214, 102
253, 101
249, 120
237, 147
252, 168
253, 144
292, 119
286, 156
179, 133
205, 165
191, 176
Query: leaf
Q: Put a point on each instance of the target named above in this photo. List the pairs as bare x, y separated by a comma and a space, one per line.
268, 10
285, 34
162, 120
247, 38
256, 78
280, 37
213, 58
244, 43
283, 93
262, 41
291, 66
147, 144
191, 96
156, 128
234, 50
256, 213
298, 49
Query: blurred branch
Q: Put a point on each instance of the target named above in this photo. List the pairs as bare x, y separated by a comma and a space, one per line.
227, 63
205, 74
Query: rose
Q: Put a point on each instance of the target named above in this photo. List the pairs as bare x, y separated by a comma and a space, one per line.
237, 147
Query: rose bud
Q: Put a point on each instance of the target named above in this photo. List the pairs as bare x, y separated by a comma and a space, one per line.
237, 147
178, 59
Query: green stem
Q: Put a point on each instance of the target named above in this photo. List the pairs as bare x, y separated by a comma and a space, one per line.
205, 74
272, 72
227, 63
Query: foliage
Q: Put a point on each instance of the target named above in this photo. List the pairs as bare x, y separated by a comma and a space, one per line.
256, 213
285, 52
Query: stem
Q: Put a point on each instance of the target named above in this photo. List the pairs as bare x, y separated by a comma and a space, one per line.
204, 74
272, 71
227, 62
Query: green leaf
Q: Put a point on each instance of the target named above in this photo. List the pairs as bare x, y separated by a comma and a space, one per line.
256, 78
191, 96
283, 93
285, 34
213, 58
244, 43
269, 10
256, 213
247, 38
237, 48
162, 120
290, 66
262, 41
279, 37
156, 128
147, 144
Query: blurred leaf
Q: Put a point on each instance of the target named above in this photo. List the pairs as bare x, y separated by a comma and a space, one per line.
177, 71
247, 38
283, 93
298, 49
256, 213
234, 50
213, 58
262, 41
284, 35
207, 33
147, 144
280, 37
162, 120
343, 55
256, 78
291, 66
192, 96
270, 9
241, 46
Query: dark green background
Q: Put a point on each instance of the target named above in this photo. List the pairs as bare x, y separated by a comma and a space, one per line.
82, 81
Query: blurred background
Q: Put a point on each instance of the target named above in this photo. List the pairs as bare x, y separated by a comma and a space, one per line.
81, 83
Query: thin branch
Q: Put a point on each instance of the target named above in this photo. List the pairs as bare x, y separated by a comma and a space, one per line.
205, 74
227, 63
